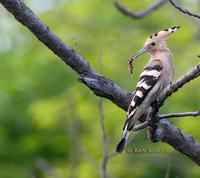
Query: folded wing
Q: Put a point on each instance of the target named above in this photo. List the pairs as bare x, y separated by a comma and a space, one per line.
147, 81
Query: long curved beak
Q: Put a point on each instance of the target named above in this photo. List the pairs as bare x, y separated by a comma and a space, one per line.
132, 58
140, 52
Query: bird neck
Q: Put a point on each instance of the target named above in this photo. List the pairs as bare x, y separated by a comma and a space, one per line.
165, 56
159, 52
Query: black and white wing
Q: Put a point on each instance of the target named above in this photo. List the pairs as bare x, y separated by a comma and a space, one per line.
147, 81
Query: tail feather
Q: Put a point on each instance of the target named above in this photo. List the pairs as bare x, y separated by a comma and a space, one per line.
120, 146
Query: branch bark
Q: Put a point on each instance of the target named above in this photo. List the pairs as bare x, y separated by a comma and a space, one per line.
185, 144
102, 86
184, 11
142, 13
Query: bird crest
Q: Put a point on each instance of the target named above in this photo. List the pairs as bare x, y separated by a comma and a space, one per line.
164, 34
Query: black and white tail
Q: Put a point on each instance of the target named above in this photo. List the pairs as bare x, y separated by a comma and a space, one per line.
121, 144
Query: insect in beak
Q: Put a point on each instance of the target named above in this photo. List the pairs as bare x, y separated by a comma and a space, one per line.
132, 58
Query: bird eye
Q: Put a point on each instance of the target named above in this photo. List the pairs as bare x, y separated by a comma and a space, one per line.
153, 44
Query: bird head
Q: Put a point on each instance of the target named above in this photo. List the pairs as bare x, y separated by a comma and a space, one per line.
156, 41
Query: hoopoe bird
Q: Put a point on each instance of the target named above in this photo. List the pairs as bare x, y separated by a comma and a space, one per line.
156, 76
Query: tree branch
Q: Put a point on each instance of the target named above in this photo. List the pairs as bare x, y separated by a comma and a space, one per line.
185, 144
142, 13
141, 126
184, 11
174, 86
170, 134
104, 140
183, 114
102, 86
166, 116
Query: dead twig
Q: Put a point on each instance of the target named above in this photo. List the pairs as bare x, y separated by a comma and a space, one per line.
184, 11
142, 13
166, 116
183, 114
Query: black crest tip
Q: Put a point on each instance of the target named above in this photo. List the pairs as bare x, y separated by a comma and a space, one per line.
176, 27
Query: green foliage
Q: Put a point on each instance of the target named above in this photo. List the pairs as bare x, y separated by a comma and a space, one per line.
49, 122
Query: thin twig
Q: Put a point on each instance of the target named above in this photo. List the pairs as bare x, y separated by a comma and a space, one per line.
183, 114
140, 126
166, 116
104, 140
184, 11
142, 13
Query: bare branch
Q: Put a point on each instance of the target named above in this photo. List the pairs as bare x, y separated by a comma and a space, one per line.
166, 116
183, 114
102, 86
174, 86
185, 144
142, 13
140, 126
104, 140
170, 134
184, 11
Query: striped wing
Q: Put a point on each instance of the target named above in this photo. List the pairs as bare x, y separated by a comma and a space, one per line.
147, 80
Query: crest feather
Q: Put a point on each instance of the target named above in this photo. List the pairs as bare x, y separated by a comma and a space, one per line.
164, 34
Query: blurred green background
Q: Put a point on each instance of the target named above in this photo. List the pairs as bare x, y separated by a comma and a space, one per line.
50, 123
